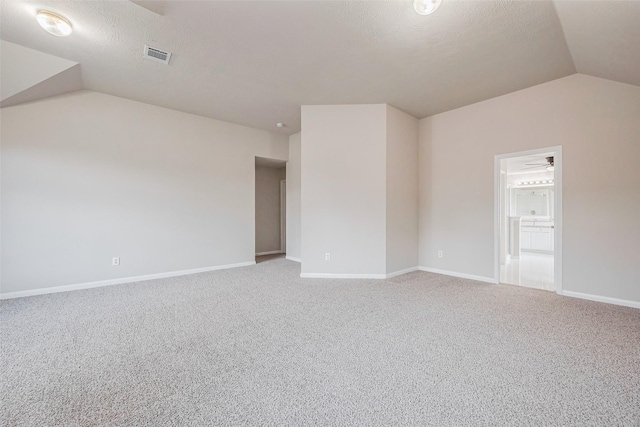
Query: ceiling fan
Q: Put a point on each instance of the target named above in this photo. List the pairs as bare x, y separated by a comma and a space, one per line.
548, 166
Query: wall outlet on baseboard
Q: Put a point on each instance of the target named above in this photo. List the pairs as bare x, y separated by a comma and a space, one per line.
440, 255
115, 260
327, 256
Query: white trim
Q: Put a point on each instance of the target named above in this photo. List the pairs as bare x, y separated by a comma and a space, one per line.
401, 272
394, 274
557, 248
598, 298
557, 231
461, 275
290, 258
269, 253
120, 281
283, 215
341, 276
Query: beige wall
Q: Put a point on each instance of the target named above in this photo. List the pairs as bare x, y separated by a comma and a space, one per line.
343, 189
87, 177
359, 190
402, 190
268, 208
293, 198
596, 123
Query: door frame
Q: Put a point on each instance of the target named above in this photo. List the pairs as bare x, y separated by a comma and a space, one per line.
283, 216
557, 200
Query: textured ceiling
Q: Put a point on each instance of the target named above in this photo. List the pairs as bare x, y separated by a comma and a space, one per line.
603, 37
255, 63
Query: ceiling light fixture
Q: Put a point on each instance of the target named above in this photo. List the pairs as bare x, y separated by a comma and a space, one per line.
54, 23
426, 7
280, 125
537, 183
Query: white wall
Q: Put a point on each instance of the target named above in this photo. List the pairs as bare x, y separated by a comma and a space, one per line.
343, 189
268, 208
293, 198
87, 176
596, 123
402, 190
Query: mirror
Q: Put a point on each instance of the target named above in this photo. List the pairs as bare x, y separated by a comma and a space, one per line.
531, 202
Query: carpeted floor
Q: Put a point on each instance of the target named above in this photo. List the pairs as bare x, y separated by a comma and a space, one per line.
260, 346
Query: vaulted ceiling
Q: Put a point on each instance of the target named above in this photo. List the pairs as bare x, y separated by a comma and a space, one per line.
255, 62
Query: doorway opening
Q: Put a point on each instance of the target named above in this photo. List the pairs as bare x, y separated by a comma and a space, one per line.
270, 208
528, 219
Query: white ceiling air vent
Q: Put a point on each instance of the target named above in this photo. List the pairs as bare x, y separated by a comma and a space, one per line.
156, 54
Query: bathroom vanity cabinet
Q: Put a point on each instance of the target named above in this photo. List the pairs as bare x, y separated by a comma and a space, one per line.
532, 226
536, 235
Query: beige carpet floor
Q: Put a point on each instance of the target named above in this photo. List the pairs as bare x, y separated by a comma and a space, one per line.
260, 346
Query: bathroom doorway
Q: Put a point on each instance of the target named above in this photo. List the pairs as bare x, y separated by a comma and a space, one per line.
528, 213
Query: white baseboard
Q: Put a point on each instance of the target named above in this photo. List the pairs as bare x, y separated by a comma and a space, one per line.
120, 281
401, 272
341, 276
290, 258
268, 253
598, 298
357, 276
461, 275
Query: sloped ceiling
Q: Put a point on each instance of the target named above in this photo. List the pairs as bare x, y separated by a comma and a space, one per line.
603, 38
22, 68
69, 80
155, 6
255, 62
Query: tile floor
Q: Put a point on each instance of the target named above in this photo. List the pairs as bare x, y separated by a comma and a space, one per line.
532, 270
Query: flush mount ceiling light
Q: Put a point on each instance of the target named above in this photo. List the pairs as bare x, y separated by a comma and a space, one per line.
54, 23
426, 7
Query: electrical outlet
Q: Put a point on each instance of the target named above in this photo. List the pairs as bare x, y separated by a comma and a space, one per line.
440, 254
115, 261
327, 256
